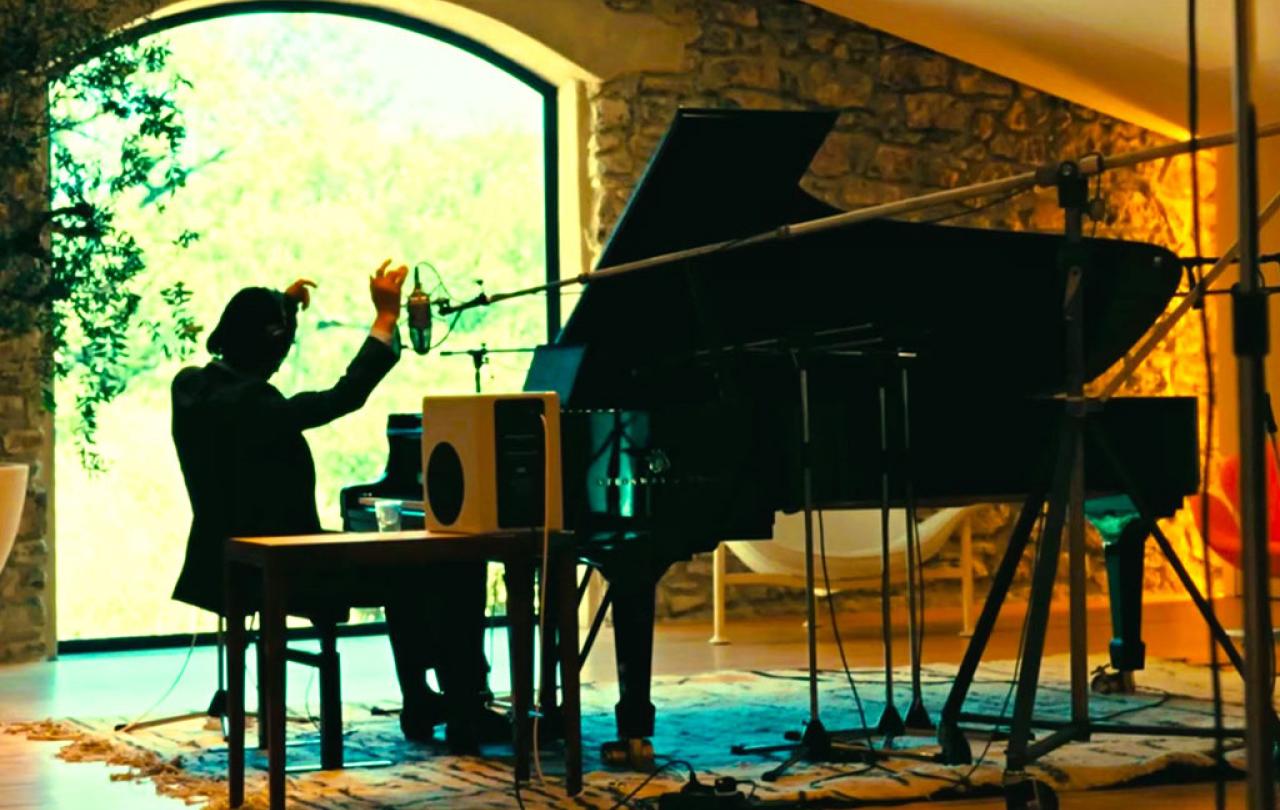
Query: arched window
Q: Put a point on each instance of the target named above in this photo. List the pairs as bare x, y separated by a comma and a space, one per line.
322, 143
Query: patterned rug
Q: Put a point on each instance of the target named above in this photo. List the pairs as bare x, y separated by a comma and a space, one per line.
699, 718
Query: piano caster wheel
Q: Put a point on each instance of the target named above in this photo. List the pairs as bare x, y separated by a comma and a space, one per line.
1023, 793
634, 753
1112, 682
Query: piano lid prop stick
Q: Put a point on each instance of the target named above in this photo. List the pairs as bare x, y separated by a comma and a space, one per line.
1045, 175
1161, 330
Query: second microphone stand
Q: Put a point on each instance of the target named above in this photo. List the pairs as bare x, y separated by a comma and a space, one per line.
480, 357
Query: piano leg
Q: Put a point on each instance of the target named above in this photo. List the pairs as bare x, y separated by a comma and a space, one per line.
633, 620
633, 576
1124, 535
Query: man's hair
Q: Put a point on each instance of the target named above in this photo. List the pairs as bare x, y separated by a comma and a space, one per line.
256, 330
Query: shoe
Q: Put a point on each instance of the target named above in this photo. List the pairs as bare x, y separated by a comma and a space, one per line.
420, 716
465, 735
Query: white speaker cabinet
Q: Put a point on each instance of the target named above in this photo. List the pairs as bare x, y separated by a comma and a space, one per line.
485, 458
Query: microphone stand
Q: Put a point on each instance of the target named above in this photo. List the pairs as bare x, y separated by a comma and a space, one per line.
480, 357
1249, 314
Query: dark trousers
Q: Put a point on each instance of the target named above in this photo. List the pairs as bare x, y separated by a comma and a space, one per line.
437, 622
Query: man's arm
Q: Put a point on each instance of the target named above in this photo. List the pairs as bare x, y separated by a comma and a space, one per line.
375, 358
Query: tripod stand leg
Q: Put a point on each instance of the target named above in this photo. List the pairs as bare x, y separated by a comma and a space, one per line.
1202, 604
955, 748
1037, 621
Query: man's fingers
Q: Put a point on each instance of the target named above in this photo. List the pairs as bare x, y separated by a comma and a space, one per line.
306, 282
382, 269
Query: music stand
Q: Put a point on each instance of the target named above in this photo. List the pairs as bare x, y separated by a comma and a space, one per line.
816, 743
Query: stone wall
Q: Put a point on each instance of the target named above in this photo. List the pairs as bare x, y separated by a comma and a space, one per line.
912, 121
25, 437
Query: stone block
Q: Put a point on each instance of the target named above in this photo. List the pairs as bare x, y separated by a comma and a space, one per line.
859, 192
971, 81
860, 42
736, 71
718, 39
742, 15
943, 171
837, 84
759, 100
820, 41
12, 407
612, 112
913, 69
895, 163
23, 441
936, 111
606, 141
666, 83
615, 161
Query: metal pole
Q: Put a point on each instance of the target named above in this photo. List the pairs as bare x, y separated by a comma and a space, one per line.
1250, 325
810, 600
1073, 196
1044, 176
1157, 334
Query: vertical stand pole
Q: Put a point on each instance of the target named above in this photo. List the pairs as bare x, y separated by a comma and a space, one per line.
917, 715
1073, 193
891, 724
806, 460
1249, 314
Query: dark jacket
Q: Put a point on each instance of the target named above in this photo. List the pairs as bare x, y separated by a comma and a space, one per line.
247, 467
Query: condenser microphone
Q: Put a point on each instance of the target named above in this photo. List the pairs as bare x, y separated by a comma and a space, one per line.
419, 306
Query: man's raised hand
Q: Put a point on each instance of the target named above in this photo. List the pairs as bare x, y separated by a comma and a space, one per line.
385, 287
298, 291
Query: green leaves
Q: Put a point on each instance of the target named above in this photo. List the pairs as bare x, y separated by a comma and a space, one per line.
66, 268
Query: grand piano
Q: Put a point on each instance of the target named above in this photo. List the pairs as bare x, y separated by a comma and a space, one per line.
682, 423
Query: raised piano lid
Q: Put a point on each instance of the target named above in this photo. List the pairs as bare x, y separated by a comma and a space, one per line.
980, 306
716, 175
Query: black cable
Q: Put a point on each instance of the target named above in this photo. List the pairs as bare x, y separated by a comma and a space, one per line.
1003, 198
625, 801
1013, 681
515, 781
1193, 125
835, 629
914, 537
1155, 704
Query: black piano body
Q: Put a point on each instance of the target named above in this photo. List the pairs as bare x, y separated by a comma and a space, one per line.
682, 422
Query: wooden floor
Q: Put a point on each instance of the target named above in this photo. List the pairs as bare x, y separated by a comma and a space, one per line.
126, 684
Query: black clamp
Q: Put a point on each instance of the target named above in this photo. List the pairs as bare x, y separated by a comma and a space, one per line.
1249, 321
1073, 187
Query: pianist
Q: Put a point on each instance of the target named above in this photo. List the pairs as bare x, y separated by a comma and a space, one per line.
249, 472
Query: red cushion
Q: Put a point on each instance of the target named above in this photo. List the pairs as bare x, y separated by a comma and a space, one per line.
1224, 521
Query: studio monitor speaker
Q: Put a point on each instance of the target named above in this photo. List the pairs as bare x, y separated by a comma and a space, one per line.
491, 462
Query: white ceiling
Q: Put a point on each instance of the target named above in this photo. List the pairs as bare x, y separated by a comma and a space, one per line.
1124, 57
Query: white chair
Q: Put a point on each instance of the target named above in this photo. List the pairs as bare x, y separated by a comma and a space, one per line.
853, 542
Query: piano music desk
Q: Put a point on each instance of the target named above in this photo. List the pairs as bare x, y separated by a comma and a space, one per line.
368, 558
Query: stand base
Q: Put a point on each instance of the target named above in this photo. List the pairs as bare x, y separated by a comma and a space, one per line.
634, 753
1112, 682
918, 720
890, 724
1021, 792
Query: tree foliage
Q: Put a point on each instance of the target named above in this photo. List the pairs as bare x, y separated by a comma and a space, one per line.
67, 268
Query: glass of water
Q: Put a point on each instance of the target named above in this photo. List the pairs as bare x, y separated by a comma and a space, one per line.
388, 515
